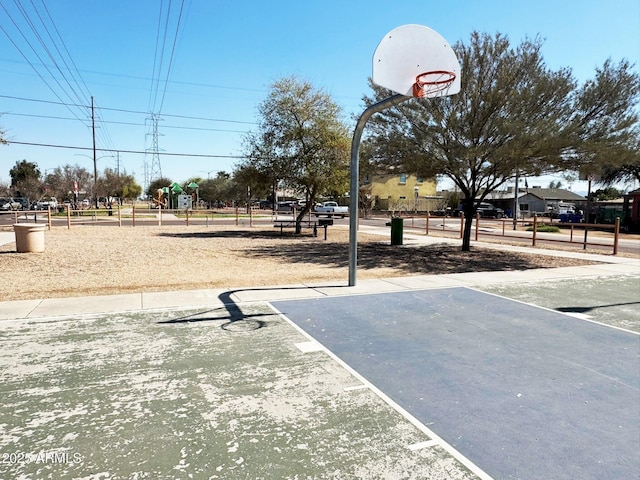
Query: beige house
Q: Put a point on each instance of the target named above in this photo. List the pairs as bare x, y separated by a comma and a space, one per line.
400, 192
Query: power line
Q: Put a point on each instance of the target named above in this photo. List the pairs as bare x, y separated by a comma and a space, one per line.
135, 152
173, 48
133, 124
139, 112
29, 62
176, 82
69, 84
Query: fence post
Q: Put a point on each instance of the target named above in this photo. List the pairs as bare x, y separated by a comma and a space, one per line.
133, 215
159, 215
68, 217
427, 226
119, 215
535, 228
237, 216
477, 225
616, 233
49, 216
187, 212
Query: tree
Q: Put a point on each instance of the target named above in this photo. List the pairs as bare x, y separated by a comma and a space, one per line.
25, 179
61, 182
606, 123
130, 189
513, 114
255, 183
301, 142
154, 187
626, 170
114, 184
219, 190
157, 184
608, 193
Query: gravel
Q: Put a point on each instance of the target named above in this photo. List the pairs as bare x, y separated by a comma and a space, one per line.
103, 260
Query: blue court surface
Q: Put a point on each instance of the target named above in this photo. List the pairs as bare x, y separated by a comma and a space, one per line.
523, 392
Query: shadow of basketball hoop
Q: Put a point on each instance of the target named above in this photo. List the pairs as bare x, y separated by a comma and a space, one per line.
236, 319
243, 325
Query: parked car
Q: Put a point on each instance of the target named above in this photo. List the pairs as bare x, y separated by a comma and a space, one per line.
486, 210
50, 202
331, 208
24, 203
9, 204
287, 206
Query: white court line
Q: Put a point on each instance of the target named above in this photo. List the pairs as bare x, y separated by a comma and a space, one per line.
481, 474
581, 316
421, 445
569, 314
355, 387
308, 347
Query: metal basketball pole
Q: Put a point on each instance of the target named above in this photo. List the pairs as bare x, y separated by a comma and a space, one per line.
354, 190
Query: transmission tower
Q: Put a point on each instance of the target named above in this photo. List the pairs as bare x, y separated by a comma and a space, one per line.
155, 171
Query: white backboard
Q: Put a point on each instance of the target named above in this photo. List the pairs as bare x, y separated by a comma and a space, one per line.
408, 51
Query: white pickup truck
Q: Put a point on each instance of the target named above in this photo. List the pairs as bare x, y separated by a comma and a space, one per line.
330, 209
45, 203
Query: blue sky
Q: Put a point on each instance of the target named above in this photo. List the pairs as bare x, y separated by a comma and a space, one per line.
226, 55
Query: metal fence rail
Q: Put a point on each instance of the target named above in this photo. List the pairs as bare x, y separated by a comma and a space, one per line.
535, 222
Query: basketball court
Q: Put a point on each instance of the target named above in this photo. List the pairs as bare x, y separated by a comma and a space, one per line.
520, 391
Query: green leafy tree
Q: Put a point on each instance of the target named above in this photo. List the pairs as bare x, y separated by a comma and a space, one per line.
608, 193
301, 142
25, 179
130, 190
606, 124
154, 186
115, 184
157, 184
625, 170
513, 114
219, 190
255, 182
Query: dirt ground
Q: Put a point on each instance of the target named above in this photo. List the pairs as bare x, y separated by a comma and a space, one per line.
102, 260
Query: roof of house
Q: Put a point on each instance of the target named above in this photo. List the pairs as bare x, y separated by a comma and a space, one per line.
503, 195
554, 194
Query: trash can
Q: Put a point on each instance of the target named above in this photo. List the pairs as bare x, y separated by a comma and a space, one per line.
397, 226
29, 237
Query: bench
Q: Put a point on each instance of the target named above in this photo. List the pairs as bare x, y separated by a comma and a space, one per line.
282, 224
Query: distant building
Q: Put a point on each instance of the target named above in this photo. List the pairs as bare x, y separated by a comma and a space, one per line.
535, 200
400, 192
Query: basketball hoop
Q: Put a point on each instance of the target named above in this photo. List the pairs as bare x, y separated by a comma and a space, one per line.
428, 84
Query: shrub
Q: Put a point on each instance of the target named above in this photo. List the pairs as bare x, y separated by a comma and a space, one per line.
545, 228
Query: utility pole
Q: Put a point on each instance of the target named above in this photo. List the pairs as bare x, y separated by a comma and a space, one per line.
95, 162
